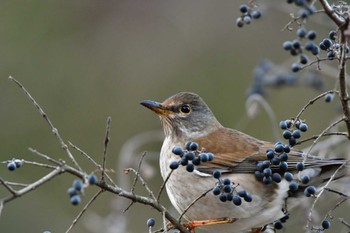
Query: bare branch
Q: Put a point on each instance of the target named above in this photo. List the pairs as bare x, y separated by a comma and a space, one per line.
108, 128
163, 185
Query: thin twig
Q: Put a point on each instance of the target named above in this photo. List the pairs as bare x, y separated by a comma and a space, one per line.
337, 192
137, 174
163, 185
44, 115
193, 202
84, 209
143, 182
44, 156
108, 128
39, 164
324, 135
9, 188
344, 222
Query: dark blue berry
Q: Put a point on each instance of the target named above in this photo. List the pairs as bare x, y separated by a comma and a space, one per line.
311, 190
217, 174
216, 191
174, 165
309, 46
11, 166
72, 192
300, 166
259, 175
237, 200
279, 148
239, 22
292, 141
286, 148
78, 184
293, 186
296, 44
243, 8
267, 172
183, 161
276, 161
283, 156
322, 46
315, 50
311, 35
187, 145
301, 32
276, 177
326, 224
227, 188
177, 150
265, 164
92, 179
210, 156
328, 97
151, 222
278, 225
331, 55
296, 67
267, 180
287, 45
288, 176
223, 198
332, 35
226, 181
327, 43
189, 155
256, 14
196, 161
296, 133
304, 59
283, 166
303, 127
193, 146
190, 167
229, 196
242, 193
287, 134
248, 198
75, 200
204, 157
270, 154
247, 19
19, 162
305, 179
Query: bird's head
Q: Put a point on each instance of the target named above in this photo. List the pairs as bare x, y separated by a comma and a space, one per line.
184, 115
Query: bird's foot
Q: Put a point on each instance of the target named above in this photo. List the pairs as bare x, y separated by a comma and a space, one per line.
200, 223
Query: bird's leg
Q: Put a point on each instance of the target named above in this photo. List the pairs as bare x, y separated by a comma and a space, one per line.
200, 223
256, 230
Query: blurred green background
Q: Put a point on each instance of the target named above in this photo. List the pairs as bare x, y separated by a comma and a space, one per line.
86, 60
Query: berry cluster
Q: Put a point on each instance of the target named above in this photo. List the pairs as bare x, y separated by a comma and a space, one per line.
297, 48
77, 189
227, 190
15, 163
190, 157
332, 46
247, 14
306, 7
291, 134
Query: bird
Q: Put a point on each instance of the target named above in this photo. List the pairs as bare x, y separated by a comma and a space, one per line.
186, 118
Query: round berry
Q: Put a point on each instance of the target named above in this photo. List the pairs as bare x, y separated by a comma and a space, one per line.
226, 181
11, 166
305, 179
286, 148
326, 224
303, 127
248, 198
189, 155
229, 196
190, 167
288, 176
304, 59
267, 172
278, 225
187, 145
243, 8
332, 35
296, 44
265, 164
315, 50
283, 156
227, 188
210, 156
151, 222
193, 146
276, 177
237, 200
174, 165
239, 22
92, 179
247, 19
270, 154
287, 134
276, 161
177, 150
309, 46
292, 141
216, 174
311, 35
328, 97
293, 186
283, 166
256, 14
296, 133
311, 190
327, 43
75, 200
287, 45
183, 161
242, 193
331, 55
301, 32
196, 161
78, 184
296, 67
279, 148
267, 180
259, 175
204, 157
72, 192
300, 166
216, 191
223, 198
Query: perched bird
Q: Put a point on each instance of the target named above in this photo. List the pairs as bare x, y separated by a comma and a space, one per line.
186, 117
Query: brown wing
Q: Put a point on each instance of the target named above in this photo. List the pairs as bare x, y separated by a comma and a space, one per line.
237, 152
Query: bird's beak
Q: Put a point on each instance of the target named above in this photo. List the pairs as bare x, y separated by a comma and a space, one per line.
155, 107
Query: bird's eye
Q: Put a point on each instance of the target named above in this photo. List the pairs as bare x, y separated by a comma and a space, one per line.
186, 109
